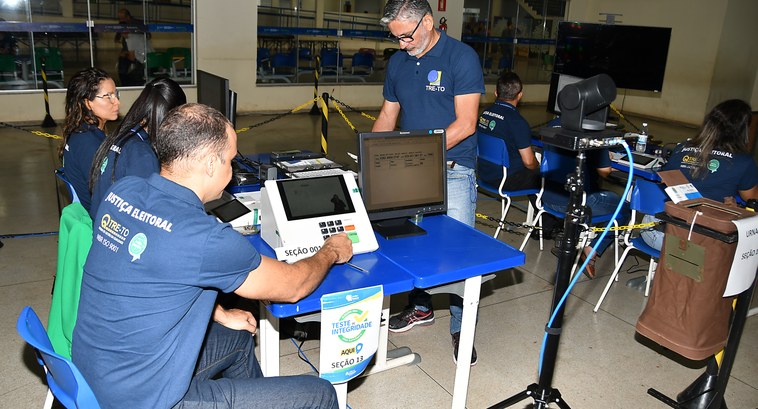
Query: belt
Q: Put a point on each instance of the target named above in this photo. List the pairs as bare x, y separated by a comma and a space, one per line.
451, 164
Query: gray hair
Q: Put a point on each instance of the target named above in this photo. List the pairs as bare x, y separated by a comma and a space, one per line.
189, 130
405, 10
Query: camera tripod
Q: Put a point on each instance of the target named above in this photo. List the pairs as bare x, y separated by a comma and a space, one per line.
542, 392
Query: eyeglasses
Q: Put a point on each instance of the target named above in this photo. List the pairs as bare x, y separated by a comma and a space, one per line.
112, 96
405, 38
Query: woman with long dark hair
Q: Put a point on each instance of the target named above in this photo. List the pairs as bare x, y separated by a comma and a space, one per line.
129, 150
91, 101
717, 160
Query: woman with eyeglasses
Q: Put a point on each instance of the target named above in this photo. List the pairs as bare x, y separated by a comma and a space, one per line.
128, 151
91, 101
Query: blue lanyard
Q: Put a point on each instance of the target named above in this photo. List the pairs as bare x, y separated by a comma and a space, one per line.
505, 104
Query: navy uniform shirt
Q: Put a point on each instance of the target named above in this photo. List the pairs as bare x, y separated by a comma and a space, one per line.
148, 291
727, 173
135, 157
77, 160
426, 88
502, 120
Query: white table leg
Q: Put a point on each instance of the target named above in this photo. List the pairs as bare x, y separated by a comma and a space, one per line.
468, 327
341, 389
268, 339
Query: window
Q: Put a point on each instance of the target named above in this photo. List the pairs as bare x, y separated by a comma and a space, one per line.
133, 41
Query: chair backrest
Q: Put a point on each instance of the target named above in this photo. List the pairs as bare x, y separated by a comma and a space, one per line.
282, 60
61, 174
647, 197
64, 379
53, 58
330, 57
363, 60
7, 64
184, 52
556, 165
492, 150
158, 60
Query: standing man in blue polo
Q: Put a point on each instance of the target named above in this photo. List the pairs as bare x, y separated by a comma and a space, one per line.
435, 83
149, 333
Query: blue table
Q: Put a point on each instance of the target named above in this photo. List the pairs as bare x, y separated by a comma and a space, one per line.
340, 278
450, 252
648, 174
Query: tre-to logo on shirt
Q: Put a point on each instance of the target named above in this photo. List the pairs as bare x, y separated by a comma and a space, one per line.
435, 79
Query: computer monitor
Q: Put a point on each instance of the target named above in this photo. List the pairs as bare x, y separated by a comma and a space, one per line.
402, 174
214, 91
634, 56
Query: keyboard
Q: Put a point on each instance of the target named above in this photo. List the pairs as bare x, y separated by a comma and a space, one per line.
321, 172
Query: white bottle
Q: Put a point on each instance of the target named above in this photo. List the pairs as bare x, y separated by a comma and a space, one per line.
642, 140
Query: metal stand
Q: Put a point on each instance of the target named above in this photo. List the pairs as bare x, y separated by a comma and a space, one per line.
542, 392
707, 391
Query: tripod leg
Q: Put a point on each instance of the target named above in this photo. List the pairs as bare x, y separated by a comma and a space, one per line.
528, 392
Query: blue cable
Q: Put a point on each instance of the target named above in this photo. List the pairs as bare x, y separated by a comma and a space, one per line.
305, 358
592, 252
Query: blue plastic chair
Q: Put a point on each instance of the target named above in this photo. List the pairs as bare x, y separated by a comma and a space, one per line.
60, 173
363, 63
494, 150
331, 60
555, 167
64, 379
647, 198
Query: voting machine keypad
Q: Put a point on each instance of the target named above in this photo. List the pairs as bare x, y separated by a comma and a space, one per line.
331, 227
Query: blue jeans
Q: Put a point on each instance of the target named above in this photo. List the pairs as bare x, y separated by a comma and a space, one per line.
602, 202
461, 206
653, 238
228, 375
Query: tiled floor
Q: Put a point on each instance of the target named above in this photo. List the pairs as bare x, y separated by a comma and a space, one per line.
601, 362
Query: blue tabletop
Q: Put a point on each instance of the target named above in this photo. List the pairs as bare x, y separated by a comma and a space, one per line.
342, 277
450, 251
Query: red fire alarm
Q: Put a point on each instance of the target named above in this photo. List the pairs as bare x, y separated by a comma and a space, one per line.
441, 5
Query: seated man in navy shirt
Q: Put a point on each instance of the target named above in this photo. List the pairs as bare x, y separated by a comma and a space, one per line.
502, 120
149, 333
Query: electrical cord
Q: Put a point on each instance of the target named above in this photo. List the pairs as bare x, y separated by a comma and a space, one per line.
304, 358
592, 253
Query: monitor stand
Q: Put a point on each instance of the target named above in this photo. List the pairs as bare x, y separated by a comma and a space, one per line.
397, 228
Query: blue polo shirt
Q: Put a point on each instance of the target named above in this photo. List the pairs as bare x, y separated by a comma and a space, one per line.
502, 120
148, 291
135, 157
727, 172
426, 87
77, 160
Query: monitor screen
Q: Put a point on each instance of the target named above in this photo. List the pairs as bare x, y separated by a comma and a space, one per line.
214, 91
315, 197
403, 173
642, 160
634, 56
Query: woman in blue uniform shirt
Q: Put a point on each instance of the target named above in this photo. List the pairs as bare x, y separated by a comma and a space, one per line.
726, 170
129, 150
91, 101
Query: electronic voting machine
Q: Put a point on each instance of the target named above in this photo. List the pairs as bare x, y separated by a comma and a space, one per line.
298, 215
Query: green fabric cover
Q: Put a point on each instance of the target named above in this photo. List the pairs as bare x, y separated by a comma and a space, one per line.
74, 241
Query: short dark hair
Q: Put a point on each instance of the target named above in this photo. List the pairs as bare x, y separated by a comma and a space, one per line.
405, 10
508, 86
188, 130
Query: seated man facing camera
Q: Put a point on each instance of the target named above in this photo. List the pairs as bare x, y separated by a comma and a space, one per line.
149, 333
